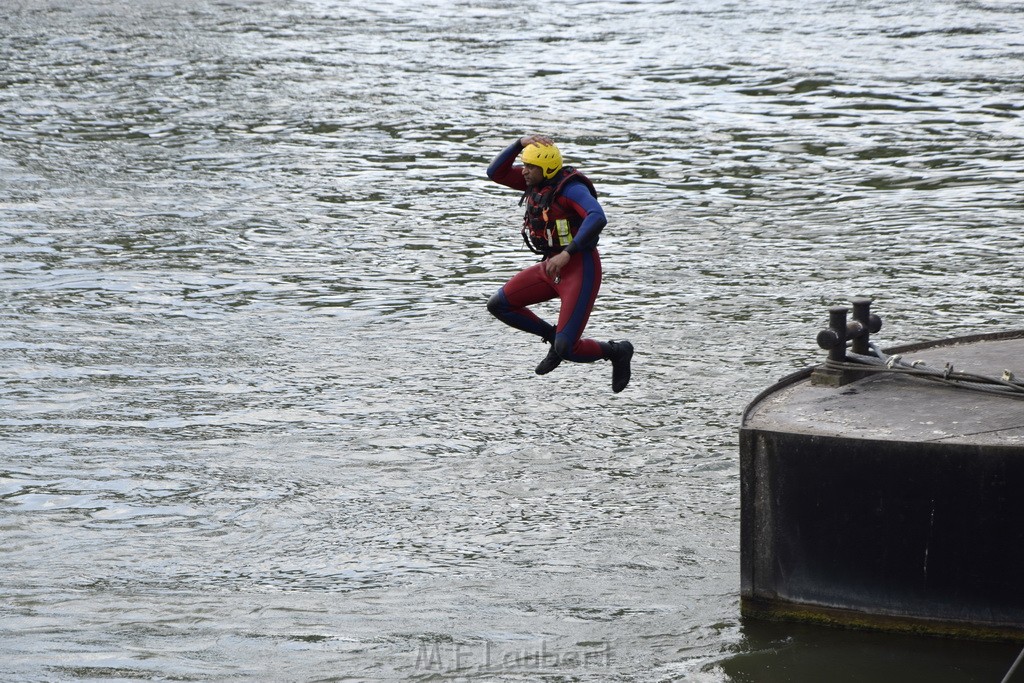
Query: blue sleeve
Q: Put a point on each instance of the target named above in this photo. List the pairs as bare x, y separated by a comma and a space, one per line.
594, 220
502, 170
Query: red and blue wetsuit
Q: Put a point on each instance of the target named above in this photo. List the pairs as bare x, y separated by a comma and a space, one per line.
562, 214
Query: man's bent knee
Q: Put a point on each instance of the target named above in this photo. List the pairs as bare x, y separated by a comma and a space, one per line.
498, 304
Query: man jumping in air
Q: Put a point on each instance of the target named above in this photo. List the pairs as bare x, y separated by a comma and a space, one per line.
562, 224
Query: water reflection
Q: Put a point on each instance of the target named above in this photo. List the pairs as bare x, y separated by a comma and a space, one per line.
774, 653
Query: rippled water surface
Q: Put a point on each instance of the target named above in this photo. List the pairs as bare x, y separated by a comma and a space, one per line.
256, 421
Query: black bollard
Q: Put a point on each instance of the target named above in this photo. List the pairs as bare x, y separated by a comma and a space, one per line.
833, 339
840, 332
862, 315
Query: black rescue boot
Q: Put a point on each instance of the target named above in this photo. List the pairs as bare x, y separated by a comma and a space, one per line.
550, 362
620, 356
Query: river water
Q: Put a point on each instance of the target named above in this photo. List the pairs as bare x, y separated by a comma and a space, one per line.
257, 423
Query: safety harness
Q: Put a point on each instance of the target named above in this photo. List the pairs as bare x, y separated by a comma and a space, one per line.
547, 231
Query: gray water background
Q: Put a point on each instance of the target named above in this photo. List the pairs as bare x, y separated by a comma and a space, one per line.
256, 423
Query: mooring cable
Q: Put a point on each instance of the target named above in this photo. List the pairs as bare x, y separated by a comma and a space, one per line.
1016, 663
881, 363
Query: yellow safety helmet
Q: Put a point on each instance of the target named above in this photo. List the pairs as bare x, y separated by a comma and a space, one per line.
546, 156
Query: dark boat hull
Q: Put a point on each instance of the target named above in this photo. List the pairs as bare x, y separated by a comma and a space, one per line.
923, 531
